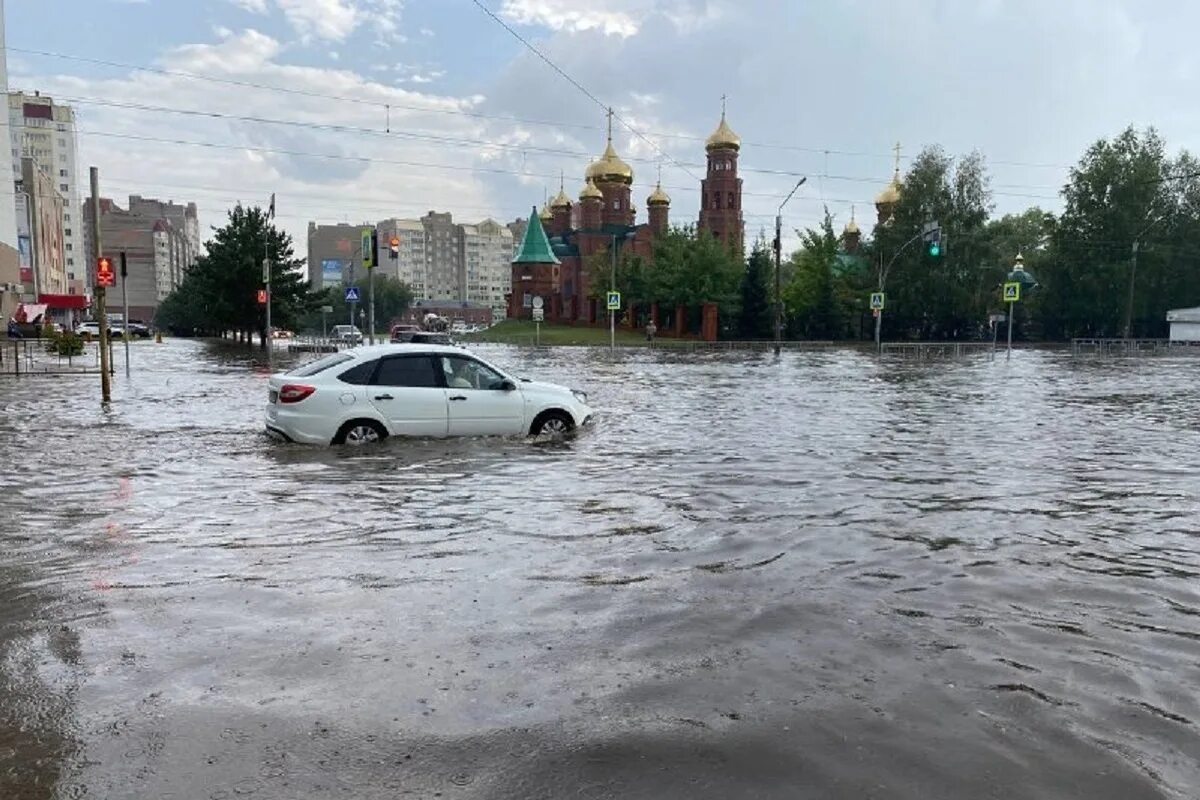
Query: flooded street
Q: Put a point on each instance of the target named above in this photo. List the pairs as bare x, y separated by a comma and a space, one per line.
826, 578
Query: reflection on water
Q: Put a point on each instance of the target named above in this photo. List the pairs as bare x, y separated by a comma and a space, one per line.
751, 578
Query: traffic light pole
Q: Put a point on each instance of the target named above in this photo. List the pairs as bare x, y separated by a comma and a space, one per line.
125, 307
101, 310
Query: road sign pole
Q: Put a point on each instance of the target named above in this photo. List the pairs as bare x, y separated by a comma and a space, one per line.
125, 307
1011, 307
270, 343
537, 334
371, 303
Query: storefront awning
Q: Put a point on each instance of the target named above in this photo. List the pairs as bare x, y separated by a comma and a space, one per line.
64, 301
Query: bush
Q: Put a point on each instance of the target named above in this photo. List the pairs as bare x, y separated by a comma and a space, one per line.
66, 343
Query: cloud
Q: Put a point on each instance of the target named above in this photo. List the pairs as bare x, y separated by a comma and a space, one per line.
426, 32
253, 6
570, 15
331, 20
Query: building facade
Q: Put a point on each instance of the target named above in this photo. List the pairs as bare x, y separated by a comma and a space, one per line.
603, 224
440, 260
183, 218
45, 131
39, 214
157, 256
10, 170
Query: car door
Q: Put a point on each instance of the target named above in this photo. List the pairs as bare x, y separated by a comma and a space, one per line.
406, 390
479, 403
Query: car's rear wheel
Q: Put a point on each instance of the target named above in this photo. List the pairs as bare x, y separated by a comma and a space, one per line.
553, 424
358, 432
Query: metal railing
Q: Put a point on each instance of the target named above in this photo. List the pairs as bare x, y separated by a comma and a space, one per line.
935, 350
1116, 348
20, 357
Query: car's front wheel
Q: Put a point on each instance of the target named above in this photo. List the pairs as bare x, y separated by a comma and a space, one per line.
552, 423
358, 432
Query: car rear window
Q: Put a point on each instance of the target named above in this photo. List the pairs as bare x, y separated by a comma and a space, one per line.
359, 374
321, 364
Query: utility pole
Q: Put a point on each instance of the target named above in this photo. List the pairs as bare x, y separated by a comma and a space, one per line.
1129, 299
270, 342
778, 266
612, 287
125, 307
101, 310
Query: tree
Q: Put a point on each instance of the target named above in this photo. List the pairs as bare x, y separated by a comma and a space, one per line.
755, 318
220, 292
814, 303
936, 297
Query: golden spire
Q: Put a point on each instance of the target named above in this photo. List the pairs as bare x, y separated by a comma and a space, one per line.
851, 226
723, 137
658, 197
610, 168
891, 193
560, 200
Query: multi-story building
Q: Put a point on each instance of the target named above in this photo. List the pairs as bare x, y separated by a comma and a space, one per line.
183, 218
441, 261
45, 131
409, 264
39, 218
10, 262
517, 229
485, 274
334, 254
157, 255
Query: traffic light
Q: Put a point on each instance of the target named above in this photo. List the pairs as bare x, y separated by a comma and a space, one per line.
262, 297
934, 242
394, 248
104, 272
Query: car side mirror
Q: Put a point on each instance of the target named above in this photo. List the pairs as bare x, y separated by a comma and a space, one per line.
508, 386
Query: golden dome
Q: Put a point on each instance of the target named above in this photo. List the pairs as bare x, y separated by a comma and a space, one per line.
610, 168
590, 191
658, 197
723, 137
891, 193
851, 229
546, 214
560, 200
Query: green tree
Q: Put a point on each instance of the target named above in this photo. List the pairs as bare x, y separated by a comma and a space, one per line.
220, 293
815, 305
755, 317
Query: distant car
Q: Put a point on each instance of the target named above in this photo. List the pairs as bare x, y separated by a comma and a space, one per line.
279, 333
138, 330
88, 328
360, 396
403, 333
347, 333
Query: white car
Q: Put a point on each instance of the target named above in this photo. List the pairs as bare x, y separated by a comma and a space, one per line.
347, 333
369, 393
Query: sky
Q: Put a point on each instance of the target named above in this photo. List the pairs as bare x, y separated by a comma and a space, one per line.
360, 110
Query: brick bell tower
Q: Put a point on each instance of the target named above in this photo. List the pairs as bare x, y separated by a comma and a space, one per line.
721, 189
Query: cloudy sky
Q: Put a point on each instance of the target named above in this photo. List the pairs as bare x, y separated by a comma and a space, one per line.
359, 110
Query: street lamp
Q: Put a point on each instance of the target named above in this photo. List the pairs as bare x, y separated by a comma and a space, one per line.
1137, 240
612, 287
778, 259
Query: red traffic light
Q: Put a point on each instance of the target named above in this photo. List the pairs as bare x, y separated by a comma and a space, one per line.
262, 297
394, 247
104, 272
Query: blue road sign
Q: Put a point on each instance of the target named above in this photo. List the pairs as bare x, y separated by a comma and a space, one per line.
351, 294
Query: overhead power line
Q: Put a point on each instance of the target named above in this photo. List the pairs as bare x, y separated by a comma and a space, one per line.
389, 105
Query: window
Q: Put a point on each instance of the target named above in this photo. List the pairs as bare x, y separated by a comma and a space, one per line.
359, 375
410, 371
616, 204
69, 247
66, 217
321, 364
66, 231
70, 262
732, 200
62, 187
716, 200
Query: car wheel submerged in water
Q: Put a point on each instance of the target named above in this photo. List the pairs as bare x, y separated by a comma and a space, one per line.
552, 423
360, 432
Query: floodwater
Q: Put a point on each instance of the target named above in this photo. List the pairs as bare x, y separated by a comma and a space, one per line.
820, 577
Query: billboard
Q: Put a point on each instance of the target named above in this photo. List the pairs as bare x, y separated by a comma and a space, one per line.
25, 247
332, 270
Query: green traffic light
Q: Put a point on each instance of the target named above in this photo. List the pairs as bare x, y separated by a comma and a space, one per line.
935, 249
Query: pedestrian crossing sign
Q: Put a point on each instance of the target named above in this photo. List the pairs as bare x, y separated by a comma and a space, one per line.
614, 301
1012, 292
351, 294
876, 301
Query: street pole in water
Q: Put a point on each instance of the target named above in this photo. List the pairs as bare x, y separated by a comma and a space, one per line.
125, 307
101, 310
371, 303
612, 287
1011, 307
778, 267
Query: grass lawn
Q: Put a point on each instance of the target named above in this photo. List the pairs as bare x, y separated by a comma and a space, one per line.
519, 331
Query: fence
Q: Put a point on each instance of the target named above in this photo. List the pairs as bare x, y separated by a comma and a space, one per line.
30, 357
1115, 348
932, 350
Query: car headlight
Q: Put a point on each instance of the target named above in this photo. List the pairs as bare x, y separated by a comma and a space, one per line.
580, 396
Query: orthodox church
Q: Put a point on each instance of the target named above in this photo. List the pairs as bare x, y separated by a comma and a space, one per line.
558, 241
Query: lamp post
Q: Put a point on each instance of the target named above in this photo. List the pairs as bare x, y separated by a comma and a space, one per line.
1026, 280
612, 287
1137, 240
778, 266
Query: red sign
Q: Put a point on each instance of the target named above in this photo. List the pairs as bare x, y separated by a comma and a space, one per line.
262, 297
104, 272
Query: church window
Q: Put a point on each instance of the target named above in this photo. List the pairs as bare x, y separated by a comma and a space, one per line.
716, 199
732, 200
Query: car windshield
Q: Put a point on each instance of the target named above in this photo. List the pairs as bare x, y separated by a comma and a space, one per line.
320, 365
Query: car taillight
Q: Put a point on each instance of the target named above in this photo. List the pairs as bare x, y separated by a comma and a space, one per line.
294, 392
